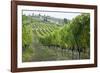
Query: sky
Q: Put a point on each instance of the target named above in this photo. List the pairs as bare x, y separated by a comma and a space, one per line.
61, 15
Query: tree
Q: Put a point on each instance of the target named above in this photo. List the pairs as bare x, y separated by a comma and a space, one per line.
76, 34
80, 28
27, 39
66, 20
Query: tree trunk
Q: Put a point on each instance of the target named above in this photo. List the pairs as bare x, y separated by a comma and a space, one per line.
79, 53
72, 54
62, 51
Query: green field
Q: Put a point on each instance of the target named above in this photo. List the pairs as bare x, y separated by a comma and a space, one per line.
43, 40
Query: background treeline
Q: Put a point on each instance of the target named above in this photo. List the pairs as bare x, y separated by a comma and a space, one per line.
45, 41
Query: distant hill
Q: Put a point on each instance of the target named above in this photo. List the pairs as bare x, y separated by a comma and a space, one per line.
48, 19
40, 27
